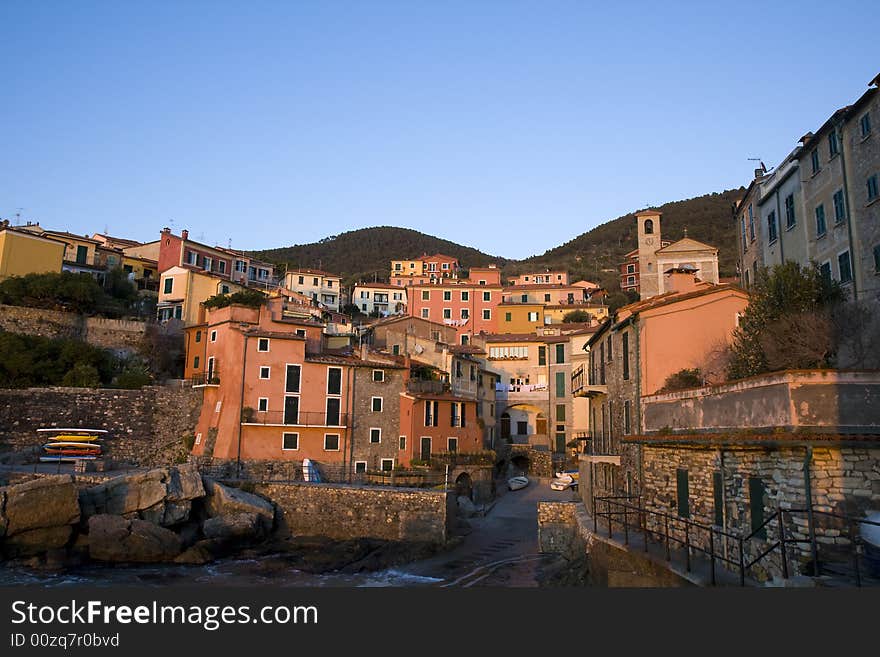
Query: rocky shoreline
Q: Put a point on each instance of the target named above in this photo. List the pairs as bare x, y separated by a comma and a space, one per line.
168, 516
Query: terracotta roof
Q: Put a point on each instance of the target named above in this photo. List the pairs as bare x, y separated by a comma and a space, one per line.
318, 272
351, 361
524, 337
674, 297
466, 349
61, 233
642, 213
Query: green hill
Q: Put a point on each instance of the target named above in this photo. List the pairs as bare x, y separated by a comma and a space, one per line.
366, 253
708, 219
361, 254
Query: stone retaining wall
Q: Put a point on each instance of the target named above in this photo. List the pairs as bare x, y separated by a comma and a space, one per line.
346, 512
115, 334
146, 426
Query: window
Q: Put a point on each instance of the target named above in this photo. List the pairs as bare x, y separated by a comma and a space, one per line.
608, 351
263, 344
630, 280
222, 266
196, 362
431, 408
263, 404
264, 372
447, 295
625, 341
533, 316
289, 441
718, 496
301, 280
465, 296
682, 493
193, 258
506, 317
426, 295
291, 410
487, 296
833, 145
877, 259
839, 207
560, 384
465, 313
447, 313
820, 220
169, 284
542, 355
395, 349
378, 375
814, 160
649, 227
207, 262
825, 271
865, 124
314, 282
224, 289
333, 407
630, 269
424, 313
375, 435
845, 267
560, 353
376, 404
546, 298
487, 314
452, 444
334, 381
292, 378
751, 224
360, 467
789, 211
457, 414
742, 223
401, 443
872, 187
771, 226
213, 336
560, 412
626, 418
756, 506
387, 465
331, 442
301, 333
524, 298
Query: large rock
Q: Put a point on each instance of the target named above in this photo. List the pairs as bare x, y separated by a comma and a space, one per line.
202, 552
238, 527
222, 501
127, 494
37, 541
41, 504
114, 538
186, 484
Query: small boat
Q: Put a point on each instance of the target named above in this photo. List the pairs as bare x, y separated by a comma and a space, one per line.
72, 459
310, 471
72, 449
73, 434
516, 483
74, 438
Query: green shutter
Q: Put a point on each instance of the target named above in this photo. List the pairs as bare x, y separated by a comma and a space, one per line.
756, 506
681, 478
542, 355
717, 484
560, 353
560, 412
560, 384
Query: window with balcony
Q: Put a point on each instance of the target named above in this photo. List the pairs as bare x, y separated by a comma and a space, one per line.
291, 382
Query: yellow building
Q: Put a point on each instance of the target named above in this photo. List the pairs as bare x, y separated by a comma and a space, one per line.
182, 290
555, 314
143, 270
23, 253
520, 317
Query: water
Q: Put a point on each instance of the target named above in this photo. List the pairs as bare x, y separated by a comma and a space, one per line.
270, 570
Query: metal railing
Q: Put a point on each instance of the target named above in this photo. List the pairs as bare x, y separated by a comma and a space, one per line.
206, 378
694, 537
300, 419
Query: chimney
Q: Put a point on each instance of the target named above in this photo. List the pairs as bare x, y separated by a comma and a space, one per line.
759, 173
365, 350
184, 233
166, 230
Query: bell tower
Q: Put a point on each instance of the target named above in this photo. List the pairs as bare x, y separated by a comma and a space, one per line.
648, 222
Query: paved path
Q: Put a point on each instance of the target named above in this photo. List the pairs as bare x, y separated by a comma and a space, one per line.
502, 548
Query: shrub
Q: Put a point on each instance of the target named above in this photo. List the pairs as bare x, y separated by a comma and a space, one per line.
682, 380
250, 298
81, 375
133, 377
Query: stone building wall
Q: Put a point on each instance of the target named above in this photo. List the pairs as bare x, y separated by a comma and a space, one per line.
146, 426
345, 512
388, 419
115, 334
844, 481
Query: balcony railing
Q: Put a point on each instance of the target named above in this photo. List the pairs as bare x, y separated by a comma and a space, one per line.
206, 378
300, 419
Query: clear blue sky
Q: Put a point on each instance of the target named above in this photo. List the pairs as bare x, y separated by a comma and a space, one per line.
509, 126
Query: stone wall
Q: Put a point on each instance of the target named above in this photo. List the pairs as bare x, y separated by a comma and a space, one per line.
146, 426
115, 334
345, 512
844, 481
540, 462
387, 420
556, 522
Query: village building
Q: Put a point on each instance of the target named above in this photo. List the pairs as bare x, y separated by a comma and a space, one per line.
380, 300
632, 354
422, 270
250, 271
181, 251
321, 286
547, 276
24, 252
183, 289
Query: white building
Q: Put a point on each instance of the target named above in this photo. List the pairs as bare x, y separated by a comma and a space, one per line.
386, 299
323, 287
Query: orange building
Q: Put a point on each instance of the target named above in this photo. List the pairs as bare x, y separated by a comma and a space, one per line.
424, 269
437, 423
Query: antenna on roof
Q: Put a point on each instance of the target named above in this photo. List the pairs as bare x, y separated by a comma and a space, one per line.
759, 161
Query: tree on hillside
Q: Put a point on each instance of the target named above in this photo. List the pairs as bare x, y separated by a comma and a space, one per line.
576, 317
788, 322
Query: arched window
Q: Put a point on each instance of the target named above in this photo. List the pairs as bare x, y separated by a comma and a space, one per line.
649, 227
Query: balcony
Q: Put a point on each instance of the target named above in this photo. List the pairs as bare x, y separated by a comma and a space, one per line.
582, 387
522, 393
206, 379
249, 416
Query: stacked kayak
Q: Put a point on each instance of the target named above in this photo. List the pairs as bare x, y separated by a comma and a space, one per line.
71, 444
